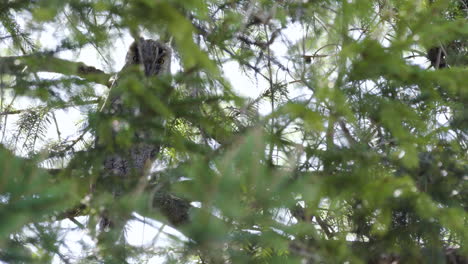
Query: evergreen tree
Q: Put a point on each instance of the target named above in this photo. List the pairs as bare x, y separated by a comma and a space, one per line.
353, 149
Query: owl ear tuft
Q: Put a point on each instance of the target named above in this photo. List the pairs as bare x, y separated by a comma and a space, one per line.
134, 47
134, 44
136, 41
169, 42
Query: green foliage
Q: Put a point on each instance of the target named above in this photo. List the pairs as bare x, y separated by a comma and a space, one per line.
354, 149
30, 197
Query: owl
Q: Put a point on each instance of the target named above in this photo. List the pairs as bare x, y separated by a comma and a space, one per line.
153, 58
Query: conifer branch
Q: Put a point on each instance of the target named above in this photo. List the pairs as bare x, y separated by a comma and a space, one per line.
16, 65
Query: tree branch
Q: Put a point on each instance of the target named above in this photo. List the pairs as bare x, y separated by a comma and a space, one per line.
9, 111
43, 63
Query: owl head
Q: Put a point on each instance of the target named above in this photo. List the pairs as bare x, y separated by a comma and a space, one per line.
153, 56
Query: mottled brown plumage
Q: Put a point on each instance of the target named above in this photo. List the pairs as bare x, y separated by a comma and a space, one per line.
153, 58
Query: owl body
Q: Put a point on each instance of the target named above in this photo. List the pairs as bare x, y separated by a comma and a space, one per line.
153, 58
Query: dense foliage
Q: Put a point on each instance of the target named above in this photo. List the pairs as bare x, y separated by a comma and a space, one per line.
353, 148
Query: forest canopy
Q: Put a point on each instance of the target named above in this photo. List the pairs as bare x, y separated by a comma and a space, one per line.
244, 131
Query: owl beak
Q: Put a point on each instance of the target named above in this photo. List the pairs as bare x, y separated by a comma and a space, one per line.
148, 69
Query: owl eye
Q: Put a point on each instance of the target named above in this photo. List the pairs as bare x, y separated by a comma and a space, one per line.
160, 61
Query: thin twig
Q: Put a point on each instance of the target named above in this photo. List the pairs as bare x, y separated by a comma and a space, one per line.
19, 111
